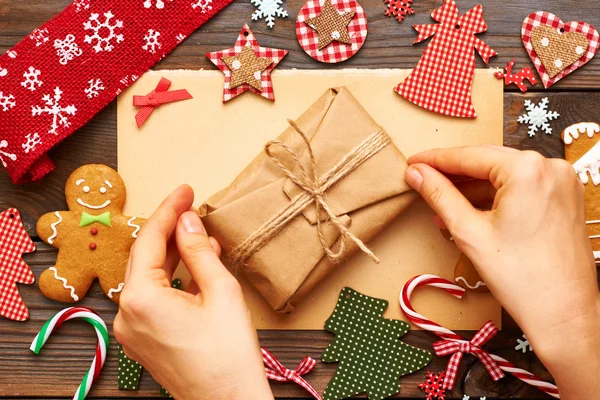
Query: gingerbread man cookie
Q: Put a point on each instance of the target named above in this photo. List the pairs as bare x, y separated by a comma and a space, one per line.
582, 149
93, 238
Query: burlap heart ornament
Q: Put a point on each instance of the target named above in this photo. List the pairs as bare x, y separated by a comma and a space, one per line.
557, 48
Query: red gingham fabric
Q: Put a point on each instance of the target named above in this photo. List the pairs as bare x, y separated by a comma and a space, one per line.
336, 51
160, 95
277, 372
458, 348
442, 80
545, 18
246, 38
66, 71
14, 242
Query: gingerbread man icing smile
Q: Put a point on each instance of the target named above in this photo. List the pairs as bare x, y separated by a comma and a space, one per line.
93, 238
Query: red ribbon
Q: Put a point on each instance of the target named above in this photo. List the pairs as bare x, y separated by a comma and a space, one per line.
277, 372
157, 97
459, 348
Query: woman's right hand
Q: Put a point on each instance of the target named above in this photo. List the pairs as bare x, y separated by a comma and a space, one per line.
531, 245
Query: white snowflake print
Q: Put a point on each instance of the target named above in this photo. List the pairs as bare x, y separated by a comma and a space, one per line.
523, 345
3, 145
7, 101
58, 112
160, 4
538, 116
103, 32
31, 142
152, 43
180, 38
67, 49
3, 72
268, 9
203, 5
32, 79
40, 36
96, 86
81, 5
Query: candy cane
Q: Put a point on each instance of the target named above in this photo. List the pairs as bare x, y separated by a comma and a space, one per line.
101, 346
447, 334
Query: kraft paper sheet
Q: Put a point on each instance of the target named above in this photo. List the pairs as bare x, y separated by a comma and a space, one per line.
206, 144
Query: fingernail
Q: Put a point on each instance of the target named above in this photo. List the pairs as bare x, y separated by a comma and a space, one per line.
191, 223
414, 178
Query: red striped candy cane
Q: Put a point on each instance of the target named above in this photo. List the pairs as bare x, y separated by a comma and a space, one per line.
447, 334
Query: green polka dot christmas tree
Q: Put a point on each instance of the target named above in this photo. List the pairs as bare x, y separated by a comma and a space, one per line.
368, 349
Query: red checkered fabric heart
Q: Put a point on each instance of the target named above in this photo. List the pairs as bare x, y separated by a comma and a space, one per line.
335, 52
442, 80
246, 38
14, 242
542, 18
66, 71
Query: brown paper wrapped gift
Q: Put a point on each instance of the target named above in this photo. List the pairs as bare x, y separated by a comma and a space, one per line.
266, 220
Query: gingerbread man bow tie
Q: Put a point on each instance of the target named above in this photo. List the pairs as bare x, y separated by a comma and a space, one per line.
88, 219
459, 348
66, 71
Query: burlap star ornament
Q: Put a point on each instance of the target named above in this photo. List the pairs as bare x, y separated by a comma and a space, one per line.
331, 25
246, 67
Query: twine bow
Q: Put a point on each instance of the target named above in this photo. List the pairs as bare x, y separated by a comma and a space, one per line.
314, 188
277, 372
459, 348
157, 97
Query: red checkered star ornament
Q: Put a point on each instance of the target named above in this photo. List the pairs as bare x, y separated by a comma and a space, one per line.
247, 39
442, 80
14, 242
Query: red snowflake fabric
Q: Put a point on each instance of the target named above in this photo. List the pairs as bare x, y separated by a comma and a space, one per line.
433, 386
442, 80
399, 9
545, 18
336, 51
246, 38
66, 71
14, 242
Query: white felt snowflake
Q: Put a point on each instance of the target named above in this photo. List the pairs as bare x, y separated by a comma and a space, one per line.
523, 345
96, 86
10, 156
538, 116
203, 5
40, 36
152, 43
52, 107
81, 5
7, 101
103, 33
31, 142
32, 79
67, 49
268, 9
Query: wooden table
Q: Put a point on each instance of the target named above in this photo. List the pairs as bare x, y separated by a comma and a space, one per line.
59, 369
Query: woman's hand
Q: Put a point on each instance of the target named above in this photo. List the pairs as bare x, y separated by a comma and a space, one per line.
198, 343
531, 247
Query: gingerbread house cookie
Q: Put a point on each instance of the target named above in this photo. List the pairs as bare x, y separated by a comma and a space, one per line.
582, 149
93, 238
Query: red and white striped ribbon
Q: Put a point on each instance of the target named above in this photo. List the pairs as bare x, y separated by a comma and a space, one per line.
447, 334
277, 372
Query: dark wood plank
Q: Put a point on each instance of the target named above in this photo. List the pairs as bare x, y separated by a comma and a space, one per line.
389, 44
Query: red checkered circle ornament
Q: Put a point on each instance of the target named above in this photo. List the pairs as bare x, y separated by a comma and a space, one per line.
336, 51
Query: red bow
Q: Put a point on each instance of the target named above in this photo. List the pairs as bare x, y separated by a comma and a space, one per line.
155, 98
459, 347
277, 372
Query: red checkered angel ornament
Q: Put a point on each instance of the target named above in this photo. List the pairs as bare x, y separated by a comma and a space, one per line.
442, 80
235, 61
14, 242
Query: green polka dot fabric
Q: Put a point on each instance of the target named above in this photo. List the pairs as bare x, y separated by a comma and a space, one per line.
129, 371
368, 349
